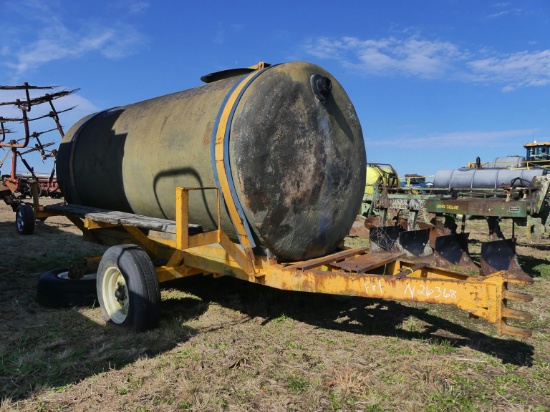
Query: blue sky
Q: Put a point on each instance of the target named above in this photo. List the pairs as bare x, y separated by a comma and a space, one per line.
435, 82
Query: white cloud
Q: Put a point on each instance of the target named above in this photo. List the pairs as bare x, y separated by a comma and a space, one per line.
137, 6
219, 37
434, 59
54, 40
464, 139
504, 9
517, 70
412, 56
220, 34
57, 43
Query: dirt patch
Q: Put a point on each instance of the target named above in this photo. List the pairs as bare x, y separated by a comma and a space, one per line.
228, 345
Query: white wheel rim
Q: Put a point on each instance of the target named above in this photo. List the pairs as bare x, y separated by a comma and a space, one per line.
65, 276
115, 295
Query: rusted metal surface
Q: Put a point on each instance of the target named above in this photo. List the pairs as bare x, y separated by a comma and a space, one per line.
481, 296
359, 228
414, 243
328, 260
367, 261
527, 203
302, 183
449, 251
478, 207
500, 255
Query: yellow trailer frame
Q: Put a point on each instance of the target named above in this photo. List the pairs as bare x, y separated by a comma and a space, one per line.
342, 273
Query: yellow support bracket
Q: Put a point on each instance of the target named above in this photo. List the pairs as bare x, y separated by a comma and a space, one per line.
184, 241
93, 224
143, 239
166, 273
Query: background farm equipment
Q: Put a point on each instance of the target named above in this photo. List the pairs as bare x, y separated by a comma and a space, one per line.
537, 156
47, 185
423, 223
16, 186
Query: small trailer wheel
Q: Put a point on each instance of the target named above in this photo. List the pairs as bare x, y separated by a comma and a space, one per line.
24, 220
128, 288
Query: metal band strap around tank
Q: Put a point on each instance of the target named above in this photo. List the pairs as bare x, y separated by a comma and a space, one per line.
220, 159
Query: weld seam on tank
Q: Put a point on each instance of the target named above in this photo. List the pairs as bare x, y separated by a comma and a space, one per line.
248, 78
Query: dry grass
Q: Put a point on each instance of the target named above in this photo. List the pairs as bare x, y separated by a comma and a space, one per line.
227, 345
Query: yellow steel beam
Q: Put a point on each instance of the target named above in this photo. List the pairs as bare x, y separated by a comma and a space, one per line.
238, 256
94, 224
481, 296
166, 273
182, 218
143, 239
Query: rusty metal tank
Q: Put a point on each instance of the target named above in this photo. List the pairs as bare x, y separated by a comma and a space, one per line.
293, 146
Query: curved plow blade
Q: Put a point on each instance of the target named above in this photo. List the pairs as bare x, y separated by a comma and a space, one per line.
359, 228
415, 242
384, 238
500, 255
452, 250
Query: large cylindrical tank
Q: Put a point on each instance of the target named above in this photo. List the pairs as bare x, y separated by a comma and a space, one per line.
508, 162
294, 151
466, 178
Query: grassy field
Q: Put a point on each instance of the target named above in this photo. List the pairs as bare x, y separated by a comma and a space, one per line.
228, 345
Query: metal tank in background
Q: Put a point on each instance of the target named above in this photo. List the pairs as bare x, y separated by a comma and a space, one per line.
466, 178
508, 162
285, 138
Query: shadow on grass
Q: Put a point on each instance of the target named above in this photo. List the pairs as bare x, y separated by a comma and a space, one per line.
41, 348
354, 315
534, 246
44, 347
535, 267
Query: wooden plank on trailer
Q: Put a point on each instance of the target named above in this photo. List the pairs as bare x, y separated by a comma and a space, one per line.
120, 218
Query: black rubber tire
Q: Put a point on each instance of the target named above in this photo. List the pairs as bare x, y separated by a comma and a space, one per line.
56, 290
24, 220
137, 304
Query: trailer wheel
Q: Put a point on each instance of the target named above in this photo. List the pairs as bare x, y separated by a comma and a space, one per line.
128, 288
24, 220
56, 290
